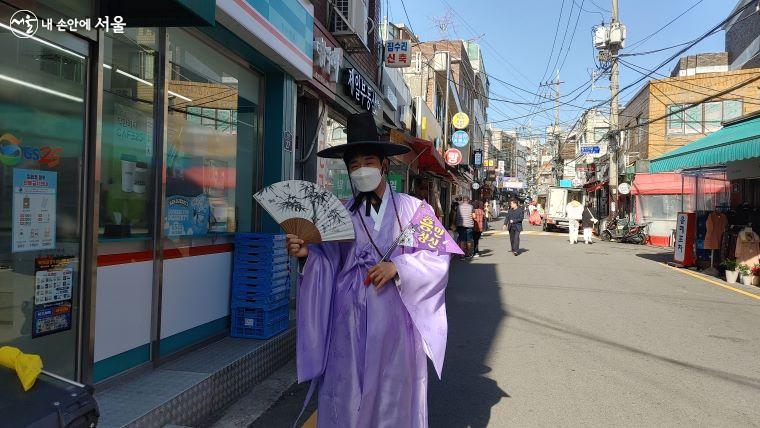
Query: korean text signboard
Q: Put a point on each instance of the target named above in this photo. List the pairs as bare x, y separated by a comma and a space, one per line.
590, 150
34, 210
453, 157
361, 91
685, 235
460, 139
477, 157
398, 53
460, 120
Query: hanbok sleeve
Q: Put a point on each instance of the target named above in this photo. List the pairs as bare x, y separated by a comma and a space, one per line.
423, 276
314, 308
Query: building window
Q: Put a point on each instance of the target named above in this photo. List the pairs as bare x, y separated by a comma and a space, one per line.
127, 152
212, 140
439, 106
600, 134
693, 120
713, 116
732, 109
640, 130
704, 118
675, 120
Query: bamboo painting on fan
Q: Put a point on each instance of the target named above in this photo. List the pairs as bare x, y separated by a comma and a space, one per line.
307, 210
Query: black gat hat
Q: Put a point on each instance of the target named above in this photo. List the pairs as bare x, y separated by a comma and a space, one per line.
361, 134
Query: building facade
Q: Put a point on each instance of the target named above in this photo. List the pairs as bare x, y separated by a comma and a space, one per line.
668, 95
743, 38
145, 144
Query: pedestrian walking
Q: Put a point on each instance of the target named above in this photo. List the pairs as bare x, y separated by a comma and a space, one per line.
588, 221
364, 350
478, 216
453, 215
574, 211
513, 223
535, 217
464, 224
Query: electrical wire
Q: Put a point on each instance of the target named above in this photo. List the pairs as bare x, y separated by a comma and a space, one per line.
642, 41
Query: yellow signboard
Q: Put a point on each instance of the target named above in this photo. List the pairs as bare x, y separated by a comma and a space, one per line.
460, 120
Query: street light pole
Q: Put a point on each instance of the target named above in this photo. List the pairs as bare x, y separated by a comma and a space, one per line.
613, 133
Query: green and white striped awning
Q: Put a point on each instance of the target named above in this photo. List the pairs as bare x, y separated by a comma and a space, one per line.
737, 141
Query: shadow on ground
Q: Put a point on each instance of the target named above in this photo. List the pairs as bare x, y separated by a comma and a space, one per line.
465, 396
657, 257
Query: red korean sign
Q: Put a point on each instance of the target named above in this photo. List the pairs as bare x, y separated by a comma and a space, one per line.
453, 157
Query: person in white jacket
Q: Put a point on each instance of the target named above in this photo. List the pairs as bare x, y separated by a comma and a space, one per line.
574, 212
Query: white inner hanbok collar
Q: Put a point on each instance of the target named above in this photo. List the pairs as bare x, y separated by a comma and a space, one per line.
377, 216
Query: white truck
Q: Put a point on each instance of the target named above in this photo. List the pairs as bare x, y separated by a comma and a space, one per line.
557, 199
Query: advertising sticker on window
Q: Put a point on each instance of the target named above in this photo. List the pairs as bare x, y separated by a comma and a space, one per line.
34, 216
53, 294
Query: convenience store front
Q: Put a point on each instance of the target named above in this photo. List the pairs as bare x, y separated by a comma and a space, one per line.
127, 163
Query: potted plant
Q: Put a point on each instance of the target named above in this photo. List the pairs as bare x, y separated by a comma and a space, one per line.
756, 274
744, 271
731, 273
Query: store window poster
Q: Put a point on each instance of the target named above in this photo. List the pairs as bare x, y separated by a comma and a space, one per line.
34, 210
53, 294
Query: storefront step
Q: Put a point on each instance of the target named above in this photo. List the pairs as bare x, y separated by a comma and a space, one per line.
188, 390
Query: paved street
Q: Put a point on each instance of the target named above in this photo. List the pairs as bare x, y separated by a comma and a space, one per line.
601, 335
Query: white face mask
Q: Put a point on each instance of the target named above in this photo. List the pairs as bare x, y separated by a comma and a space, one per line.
366, 178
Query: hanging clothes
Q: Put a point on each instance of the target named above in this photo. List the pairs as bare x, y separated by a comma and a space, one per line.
748, 248
716, 226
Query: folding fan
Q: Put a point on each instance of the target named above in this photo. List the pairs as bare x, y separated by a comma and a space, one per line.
307, 210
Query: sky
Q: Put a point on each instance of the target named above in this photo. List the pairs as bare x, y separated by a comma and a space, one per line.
516, 37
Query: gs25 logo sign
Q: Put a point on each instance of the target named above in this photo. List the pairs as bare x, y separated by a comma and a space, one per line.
12, 152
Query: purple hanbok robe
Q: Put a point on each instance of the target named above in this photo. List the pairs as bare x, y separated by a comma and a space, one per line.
365, 348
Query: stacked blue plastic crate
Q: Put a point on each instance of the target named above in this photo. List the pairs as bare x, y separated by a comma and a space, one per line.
260, 286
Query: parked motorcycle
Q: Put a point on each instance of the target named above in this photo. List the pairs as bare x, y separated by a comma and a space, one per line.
627, 233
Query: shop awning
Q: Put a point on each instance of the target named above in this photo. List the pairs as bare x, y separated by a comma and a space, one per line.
666, 183
669, 183
737, 141
429, 159
593, 187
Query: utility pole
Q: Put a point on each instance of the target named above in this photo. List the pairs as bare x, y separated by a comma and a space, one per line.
556, 129
613, 133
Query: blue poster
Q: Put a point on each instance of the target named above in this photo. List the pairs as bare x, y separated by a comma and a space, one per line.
34, 215
186, 216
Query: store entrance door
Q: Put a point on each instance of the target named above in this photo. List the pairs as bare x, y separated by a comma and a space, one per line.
42, 134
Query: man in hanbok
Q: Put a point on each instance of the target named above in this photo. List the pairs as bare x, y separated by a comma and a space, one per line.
364, 347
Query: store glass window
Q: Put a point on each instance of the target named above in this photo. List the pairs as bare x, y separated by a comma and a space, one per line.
42, 110
126, 198
212, 141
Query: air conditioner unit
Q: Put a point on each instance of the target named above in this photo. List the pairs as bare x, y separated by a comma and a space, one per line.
350, 24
